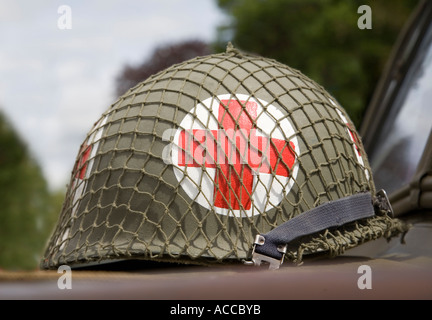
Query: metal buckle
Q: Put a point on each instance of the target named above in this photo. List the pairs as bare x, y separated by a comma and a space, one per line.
258, 258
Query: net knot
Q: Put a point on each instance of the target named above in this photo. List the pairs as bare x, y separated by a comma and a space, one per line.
230, 49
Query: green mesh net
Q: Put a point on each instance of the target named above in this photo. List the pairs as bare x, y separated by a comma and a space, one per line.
192, 163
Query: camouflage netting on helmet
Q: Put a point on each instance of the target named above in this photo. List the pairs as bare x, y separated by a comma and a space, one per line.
192, 163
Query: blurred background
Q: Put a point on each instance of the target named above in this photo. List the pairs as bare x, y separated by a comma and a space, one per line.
63, 63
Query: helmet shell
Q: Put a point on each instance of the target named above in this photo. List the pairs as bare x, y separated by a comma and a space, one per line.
142, 188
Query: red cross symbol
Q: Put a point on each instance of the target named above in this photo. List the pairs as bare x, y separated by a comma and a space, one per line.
354, 137
81, 165
242, 153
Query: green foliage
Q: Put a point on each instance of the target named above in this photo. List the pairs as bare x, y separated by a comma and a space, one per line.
162, 57
321, 38
27, 209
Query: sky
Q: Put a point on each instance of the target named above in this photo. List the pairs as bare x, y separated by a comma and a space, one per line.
58, 64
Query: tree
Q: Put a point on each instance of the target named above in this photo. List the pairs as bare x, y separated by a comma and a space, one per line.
27, 209
322, 39
161, 58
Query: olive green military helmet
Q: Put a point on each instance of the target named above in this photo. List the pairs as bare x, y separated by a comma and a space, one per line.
200, 161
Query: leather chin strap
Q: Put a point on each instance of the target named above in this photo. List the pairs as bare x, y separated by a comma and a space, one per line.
272, 246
